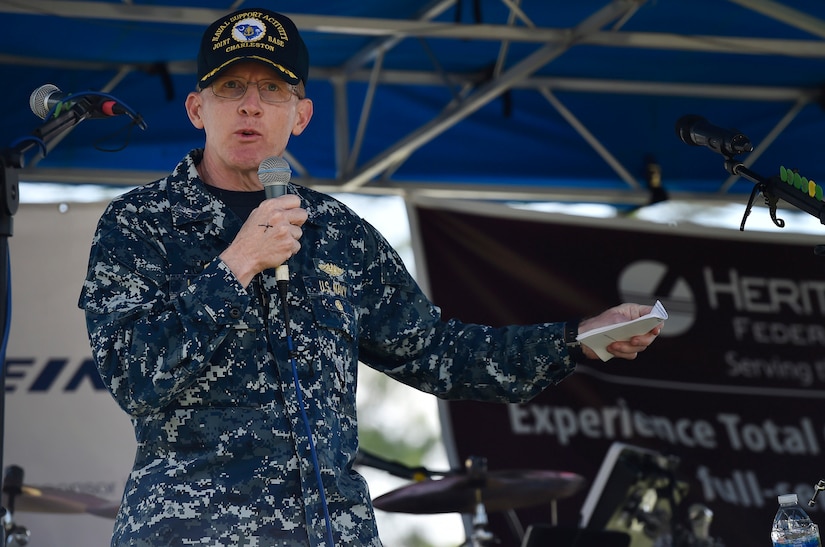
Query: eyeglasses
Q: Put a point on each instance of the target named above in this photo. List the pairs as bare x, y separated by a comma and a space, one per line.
270, 91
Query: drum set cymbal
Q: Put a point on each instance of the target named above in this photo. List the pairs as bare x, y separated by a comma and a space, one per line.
474, 490
497, 490
44, 499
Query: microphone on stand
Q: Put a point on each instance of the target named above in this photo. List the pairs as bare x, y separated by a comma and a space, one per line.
75, 108
697, 131
46, 97
274, 173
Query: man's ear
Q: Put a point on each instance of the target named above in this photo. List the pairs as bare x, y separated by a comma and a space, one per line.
193, 109
305, 109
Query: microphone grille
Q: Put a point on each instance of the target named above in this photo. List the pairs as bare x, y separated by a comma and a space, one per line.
274, 170
684, 126
38, 101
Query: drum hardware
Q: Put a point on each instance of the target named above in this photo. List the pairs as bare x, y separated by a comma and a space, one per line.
818, 487
42, 499
13, 535
394, 468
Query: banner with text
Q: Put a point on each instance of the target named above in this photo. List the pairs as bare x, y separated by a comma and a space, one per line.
731, 390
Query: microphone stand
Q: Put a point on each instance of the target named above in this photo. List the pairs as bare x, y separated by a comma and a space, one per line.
11, 160
773, 189
9, 201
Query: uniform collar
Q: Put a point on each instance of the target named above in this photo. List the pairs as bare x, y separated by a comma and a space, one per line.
191, 202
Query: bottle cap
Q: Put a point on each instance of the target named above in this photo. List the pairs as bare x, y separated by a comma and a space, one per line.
788, 498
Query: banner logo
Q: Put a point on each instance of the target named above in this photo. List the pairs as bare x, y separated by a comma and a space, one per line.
646, 281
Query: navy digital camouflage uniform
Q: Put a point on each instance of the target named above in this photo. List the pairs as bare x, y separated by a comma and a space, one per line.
199, 363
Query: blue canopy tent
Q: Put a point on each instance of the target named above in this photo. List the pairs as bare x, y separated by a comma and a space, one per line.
572, 101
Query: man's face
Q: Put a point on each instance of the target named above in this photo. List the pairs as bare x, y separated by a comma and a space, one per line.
240, 133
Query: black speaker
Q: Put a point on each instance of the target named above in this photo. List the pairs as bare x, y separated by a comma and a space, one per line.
540, 535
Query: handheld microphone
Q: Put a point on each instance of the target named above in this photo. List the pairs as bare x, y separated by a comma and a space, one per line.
46, 97
696, 131
274, 173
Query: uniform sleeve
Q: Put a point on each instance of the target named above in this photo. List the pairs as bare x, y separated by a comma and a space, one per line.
151, 334
404, 335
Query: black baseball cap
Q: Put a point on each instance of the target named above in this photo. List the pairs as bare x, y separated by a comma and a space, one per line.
253, 34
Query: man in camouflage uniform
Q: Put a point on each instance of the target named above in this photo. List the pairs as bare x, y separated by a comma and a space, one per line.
242, 441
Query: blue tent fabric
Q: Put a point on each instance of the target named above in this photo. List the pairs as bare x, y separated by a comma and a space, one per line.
449, 111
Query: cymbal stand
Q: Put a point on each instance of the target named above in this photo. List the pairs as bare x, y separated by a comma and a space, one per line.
15, 536
481, 535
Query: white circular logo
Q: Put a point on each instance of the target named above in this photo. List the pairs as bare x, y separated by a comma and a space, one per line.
249, 30
647, 281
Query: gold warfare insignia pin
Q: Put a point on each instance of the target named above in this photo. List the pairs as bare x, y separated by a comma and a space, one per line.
331, 269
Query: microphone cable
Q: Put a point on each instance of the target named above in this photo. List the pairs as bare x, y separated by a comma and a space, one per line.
283, 289
274, 173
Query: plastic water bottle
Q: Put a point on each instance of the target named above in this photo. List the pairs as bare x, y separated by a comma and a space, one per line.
793, 526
